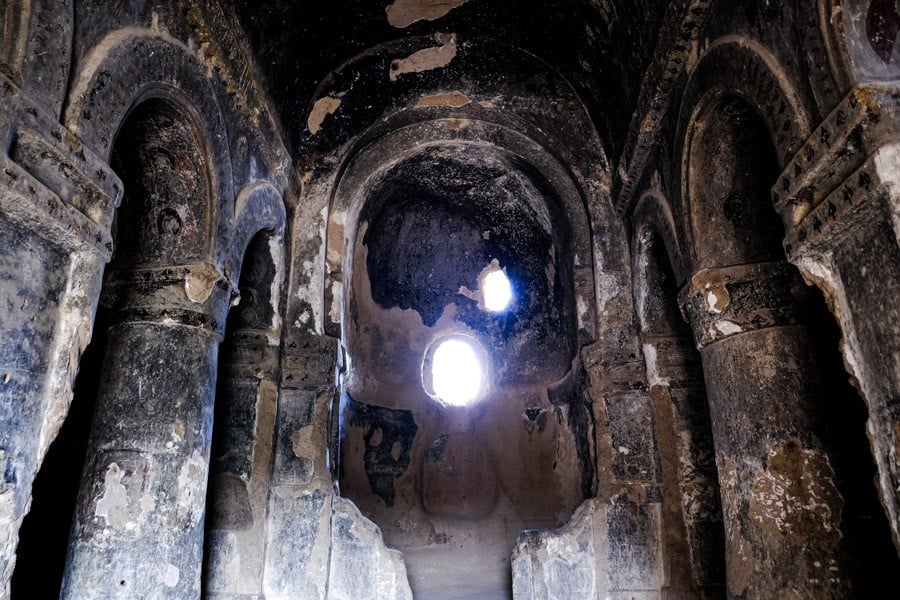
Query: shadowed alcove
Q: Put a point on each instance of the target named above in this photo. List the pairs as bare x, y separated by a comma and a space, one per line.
452, 484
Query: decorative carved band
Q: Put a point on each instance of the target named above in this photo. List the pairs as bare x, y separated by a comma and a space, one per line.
837, 171
722, 302
194, 295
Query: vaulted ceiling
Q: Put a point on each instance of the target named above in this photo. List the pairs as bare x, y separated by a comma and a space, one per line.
602, 47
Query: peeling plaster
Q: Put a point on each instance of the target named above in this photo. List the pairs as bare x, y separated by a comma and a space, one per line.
276, 251
172, 576
427, 59
199, 283
452, 99
113, 504
321, 109
795, 495
725, 327
887, 166
192, 488
652, 361
403, 13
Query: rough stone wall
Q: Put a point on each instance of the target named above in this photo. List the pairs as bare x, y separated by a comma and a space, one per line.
791, 63
70, 76
809, 85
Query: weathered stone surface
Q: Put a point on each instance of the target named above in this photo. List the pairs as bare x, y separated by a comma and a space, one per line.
606, 550
322, 547
139, 523
361, 567
360, 164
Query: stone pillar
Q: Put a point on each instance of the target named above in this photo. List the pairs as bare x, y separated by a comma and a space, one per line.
840, 201
692, 510
630, 561
782, 510
318, 545
299, 520
56, 203
611, 547
138, 528
240, 466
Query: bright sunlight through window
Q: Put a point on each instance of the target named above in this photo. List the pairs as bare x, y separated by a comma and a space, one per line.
456, 372
496, 290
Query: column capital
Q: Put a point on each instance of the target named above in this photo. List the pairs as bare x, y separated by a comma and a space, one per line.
195, 295
725, 301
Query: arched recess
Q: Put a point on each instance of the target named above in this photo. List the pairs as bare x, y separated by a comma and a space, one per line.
160, 324
163, 223
775, 394
693, 536
466, 102
480, 94
740, 69
36, 48
164, 301
383, 391
133, 64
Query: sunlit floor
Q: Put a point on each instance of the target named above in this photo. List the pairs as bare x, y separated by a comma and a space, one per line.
448, 573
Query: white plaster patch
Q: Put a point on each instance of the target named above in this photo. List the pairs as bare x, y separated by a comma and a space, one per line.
276, 250
726, 327
607, 289
113, 504
199, 283
322, 108
337, 299
652, 361
436, 57
192, 488
887, 165
312, 289
172, 576
583, 309
403, 13
712, 300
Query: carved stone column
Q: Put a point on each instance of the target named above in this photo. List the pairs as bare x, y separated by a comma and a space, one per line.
299, 521
840, 202
56, 203
241, 465
611, 547
138, 529
692, 510
780, 503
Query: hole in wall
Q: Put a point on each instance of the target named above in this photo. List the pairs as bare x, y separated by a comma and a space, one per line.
455, 371
496, 289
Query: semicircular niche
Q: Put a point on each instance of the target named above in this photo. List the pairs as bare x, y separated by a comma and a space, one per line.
452, 483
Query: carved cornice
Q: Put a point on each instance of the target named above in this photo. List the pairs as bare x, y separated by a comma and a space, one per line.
309, 362
50, 182
839, 172
660, 80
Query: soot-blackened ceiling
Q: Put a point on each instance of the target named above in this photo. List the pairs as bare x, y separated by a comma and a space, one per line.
601, 46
